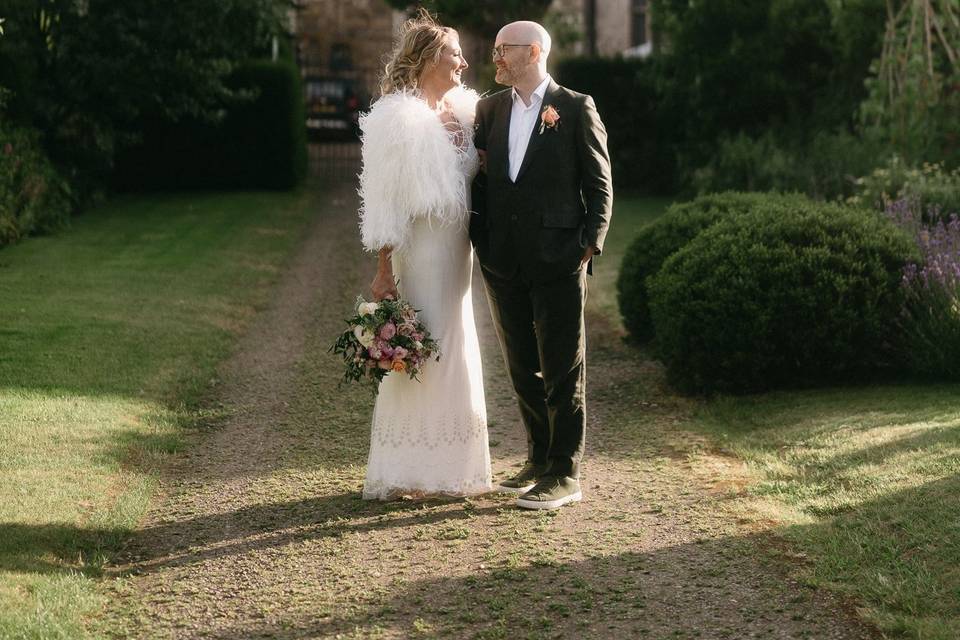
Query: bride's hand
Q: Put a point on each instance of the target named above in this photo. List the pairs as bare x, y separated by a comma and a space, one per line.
383, 287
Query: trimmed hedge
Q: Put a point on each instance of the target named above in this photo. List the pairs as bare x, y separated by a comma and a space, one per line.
34, 198
261, 142
269, 135
658, 241
786, 294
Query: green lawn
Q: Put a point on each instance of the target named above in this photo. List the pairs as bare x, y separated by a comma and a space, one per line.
864, 482
110, 334
630, 213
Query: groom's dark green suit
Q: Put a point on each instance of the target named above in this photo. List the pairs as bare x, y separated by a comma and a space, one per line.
530, 236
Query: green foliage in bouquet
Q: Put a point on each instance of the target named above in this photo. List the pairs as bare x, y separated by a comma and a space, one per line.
384, 337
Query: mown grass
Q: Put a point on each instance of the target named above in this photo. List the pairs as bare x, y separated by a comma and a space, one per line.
864, 482
110, 335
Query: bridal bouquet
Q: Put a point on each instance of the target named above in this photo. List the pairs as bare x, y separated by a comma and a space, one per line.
382, 337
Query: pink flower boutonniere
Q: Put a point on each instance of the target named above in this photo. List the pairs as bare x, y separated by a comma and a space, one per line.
549, 118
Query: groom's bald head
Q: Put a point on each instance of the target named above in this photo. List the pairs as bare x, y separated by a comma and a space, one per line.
521, 54
527, 32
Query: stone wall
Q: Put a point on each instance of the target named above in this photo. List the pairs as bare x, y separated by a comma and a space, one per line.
347, 38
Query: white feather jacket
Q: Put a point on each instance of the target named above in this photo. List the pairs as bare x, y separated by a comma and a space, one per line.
411, 168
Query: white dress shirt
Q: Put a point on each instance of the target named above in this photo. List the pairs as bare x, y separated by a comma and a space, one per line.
523, 119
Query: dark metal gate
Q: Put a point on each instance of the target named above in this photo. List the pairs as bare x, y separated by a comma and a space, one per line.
338, 161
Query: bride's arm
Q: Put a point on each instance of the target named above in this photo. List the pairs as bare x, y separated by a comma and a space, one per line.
384, 285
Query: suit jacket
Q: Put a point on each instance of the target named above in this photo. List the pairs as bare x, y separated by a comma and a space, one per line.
562, 199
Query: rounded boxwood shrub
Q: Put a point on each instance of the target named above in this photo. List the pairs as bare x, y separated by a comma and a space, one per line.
658, 241
787, 294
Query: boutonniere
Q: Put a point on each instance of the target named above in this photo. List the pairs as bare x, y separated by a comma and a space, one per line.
549, 118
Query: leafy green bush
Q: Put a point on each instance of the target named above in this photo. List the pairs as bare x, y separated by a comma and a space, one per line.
33, 196
261, 142
834, 160
729, 71
931, 187
826, 167
749, 164
658, 241
787, 294
791, 66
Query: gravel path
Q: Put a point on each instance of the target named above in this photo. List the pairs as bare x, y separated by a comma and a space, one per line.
260, 533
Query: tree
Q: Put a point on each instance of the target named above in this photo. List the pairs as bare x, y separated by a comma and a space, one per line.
914, 99
731, 67
88, 74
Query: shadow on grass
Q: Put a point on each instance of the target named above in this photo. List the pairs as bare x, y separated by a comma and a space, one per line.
55, 548
899, 554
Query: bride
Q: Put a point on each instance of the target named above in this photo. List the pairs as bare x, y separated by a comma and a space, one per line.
428, 437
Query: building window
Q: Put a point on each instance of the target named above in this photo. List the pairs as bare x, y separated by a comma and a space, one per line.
340, 57
638, 22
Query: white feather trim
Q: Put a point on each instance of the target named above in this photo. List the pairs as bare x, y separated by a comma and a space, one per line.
463, 103
411, 168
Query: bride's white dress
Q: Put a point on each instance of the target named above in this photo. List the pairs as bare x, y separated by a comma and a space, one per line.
430, 436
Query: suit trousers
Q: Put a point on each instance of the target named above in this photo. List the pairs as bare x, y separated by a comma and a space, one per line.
541, 332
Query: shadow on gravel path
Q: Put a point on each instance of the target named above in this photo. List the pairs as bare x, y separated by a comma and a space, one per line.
260, 531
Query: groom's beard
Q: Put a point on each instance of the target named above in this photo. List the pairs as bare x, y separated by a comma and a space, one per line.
509, 76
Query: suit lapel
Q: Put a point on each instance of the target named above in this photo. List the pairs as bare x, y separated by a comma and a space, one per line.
500, 149
536, 138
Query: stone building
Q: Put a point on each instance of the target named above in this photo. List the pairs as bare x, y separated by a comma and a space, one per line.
604, 27
350, 38
346, 38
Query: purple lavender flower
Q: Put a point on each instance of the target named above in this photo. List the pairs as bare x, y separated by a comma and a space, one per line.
939, 244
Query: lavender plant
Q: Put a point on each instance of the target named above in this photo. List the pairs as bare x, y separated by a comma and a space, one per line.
931, 316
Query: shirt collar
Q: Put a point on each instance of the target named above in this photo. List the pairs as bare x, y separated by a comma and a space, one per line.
536, 96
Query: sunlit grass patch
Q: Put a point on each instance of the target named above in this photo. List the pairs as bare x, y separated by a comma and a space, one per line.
867, 483
110, 335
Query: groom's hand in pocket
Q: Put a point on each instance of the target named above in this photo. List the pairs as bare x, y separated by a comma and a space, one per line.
587, 254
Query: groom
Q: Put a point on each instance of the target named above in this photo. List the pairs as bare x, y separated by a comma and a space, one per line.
543, 203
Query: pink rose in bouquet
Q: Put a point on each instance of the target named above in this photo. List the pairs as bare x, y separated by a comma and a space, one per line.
382, 338
388, 330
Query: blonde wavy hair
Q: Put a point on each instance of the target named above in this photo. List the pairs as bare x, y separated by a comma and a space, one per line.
420, 42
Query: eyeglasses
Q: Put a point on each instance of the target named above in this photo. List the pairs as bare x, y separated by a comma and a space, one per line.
500, 50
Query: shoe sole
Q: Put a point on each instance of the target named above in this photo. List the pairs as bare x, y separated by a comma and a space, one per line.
504, 489
549, 504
